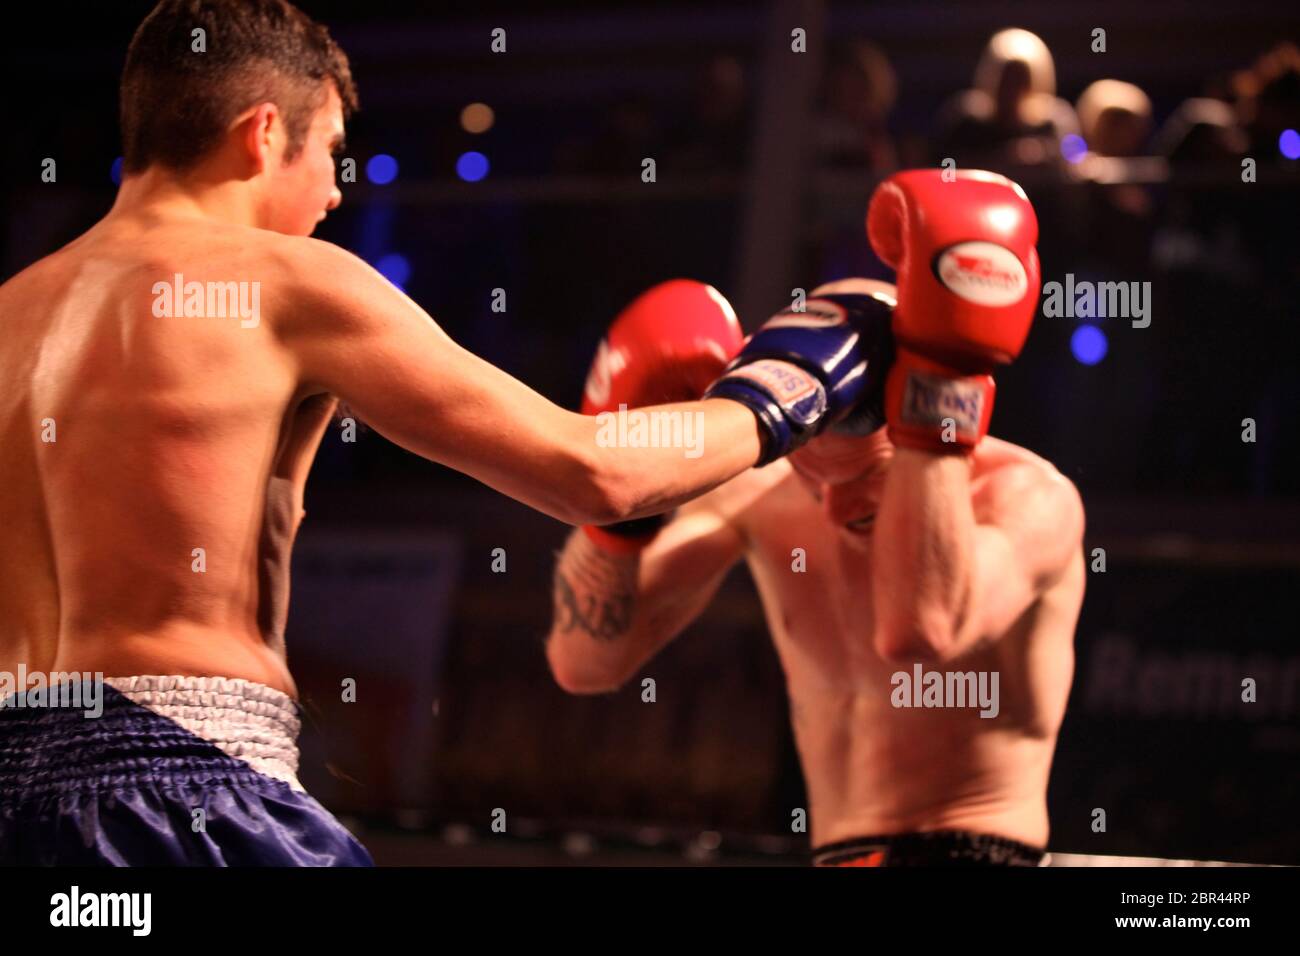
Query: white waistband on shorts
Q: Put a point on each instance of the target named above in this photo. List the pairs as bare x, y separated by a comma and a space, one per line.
246, 720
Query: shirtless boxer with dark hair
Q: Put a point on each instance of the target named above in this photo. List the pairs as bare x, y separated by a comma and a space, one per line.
927, 633
168, 377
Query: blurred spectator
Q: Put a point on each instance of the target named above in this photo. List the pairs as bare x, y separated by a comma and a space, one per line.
859, 90
1115, 118
1268, 105
1199, 229
1268, 99
1202, 133
1115, 122
714, 136
1012, 118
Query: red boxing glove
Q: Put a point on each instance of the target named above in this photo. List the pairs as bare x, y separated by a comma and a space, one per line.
667, 346
968, 283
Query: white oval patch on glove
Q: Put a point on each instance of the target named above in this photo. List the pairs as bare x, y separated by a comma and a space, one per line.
982, 272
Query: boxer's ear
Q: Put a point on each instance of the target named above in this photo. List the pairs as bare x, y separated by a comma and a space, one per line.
258, 131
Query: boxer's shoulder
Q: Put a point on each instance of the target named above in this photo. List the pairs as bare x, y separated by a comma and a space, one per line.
303, 281
1011, 483
1001, 462
45, 271
328, 278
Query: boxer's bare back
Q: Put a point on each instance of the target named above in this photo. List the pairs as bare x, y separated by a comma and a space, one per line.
154, 447
154, 465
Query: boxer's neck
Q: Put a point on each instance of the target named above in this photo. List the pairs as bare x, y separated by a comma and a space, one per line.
205, 193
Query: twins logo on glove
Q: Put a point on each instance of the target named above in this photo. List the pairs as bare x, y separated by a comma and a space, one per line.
928, 400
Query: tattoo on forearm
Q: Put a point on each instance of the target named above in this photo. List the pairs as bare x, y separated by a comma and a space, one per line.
594, 593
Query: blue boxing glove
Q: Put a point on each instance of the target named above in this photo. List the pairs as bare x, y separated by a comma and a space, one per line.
803, 372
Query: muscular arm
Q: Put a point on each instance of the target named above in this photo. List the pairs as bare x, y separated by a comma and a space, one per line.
353, 334
612, 613
946, 578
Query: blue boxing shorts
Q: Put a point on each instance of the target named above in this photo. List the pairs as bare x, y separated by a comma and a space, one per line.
171, 771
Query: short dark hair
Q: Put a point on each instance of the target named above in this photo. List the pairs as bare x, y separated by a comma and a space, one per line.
177, 103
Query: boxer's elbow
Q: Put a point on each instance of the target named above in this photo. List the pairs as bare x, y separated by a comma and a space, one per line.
595, 494
579, 677
584, 684
919, 629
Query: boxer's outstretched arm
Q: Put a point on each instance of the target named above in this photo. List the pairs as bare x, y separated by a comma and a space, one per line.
353, 334
946, 579
613, 612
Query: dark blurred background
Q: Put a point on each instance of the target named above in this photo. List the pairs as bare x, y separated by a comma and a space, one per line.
521, 171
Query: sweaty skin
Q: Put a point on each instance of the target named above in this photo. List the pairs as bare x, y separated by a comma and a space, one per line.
961, 564
153, 466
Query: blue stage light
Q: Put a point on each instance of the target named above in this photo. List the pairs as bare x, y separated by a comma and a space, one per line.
472, 166
381, 169
1088, 343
